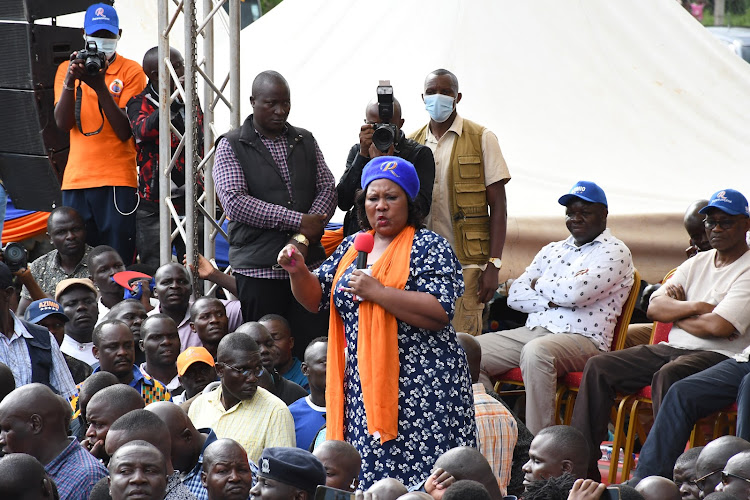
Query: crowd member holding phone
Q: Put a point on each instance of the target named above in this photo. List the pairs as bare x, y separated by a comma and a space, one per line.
398, 384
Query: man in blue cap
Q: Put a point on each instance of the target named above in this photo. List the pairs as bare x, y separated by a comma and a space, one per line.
100, 178
714, 388
49, 314
706, 301
573, 292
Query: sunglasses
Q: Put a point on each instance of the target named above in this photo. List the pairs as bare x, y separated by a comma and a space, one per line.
723, 223
246, 372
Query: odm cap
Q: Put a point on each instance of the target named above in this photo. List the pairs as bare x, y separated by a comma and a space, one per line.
193, 355
293, 466
585, 190
729, 201
40, 309
71, 282
101, 16
394, 169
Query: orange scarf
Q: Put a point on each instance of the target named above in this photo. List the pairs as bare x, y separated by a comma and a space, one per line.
377, 347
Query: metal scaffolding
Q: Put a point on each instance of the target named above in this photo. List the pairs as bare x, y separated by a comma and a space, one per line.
198, 73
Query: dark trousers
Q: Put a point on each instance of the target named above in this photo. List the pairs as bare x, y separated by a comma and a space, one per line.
687, 401
103, 210
626, 372
265, 296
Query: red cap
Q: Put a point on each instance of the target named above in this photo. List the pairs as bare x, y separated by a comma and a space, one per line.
364, 242
125, 277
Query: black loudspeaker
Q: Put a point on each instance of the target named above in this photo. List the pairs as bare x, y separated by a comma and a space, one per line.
33, 152
28, 10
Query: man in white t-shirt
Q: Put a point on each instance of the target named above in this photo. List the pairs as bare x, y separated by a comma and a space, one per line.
706, 300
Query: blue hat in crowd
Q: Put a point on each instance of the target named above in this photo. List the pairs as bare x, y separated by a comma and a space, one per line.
101, 16
586, 191
40, 309
293, 466
394, 169
729, 201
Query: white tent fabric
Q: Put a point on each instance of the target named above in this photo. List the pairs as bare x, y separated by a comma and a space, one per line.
636, 96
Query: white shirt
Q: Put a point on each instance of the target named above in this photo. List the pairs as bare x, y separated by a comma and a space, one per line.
588, 284
82, 351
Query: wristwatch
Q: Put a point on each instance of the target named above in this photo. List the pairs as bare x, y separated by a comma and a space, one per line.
496, 261
302, 239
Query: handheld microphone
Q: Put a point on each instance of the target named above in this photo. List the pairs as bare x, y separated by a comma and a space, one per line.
363, 244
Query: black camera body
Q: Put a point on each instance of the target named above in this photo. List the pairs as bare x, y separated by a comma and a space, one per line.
16, 257
93, 58
385, 132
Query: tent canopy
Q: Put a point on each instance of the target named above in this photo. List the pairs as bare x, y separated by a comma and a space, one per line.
635, 96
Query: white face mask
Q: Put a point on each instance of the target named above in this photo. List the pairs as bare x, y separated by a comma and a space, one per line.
106, 45
439, 106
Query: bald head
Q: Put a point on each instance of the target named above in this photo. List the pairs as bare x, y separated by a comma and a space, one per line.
22, 477
372, 113
714, 457
44, 415
118, 399
219, 450
7, 381
464, 462
415, 495
473, 353
388, 489
143, 425
658, 488
342, 462
186, 441
252, 328
266, 79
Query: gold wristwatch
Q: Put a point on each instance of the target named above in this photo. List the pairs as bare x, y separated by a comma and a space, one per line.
496, 261
302, 240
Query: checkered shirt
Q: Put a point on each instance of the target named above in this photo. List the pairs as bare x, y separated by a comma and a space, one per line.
231, 189
496, 434
75, 472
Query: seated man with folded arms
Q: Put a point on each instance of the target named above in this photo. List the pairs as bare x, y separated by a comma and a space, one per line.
573, 291
707, 301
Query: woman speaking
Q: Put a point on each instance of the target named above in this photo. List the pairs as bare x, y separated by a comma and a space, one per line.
398, 384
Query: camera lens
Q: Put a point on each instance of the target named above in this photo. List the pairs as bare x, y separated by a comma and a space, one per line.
93, 65
383, 137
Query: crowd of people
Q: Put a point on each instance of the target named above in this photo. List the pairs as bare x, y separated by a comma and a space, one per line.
362, 366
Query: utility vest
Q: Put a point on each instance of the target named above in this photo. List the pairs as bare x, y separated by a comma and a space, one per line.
256, 248
468, 196
40, 353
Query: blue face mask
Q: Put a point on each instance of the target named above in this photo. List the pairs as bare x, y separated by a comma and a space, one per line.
439, 106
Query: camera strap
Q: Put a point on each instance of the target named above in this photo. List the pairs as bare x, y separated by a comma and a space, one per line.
79, 97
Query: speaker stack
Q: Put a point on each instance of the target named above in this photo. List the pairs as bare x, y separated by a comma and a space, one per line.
33, 151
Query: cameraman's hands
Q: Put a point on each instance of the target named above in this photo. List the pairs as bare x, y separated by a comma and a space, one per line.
366, 148
77, 71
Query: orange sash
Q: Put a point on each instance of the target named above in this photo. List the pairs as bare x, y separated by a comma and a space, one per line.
377, 347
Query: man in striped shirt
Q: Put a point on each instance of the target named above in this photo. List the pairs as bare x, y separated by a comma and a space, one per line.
275, 188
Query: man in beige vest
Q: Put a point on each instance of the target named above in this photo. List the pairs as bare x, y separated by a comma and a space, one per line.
468, 196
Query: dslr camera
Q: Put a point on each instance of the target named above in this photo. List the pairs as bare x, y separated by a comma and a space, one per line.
93, 58
16, 257
385, 132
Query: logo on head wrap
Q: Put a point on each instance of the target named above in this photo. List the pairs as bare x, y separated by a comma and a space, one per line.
265, 467
390, 167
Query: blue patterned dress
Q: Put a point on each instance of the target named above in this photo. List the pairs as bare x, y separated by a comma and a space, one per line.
436, 406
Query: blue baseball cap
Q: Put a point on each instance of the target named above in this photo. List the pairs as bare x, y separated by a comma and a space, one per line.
40, 309
586, 191
101, 16
729, 201
394, 169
